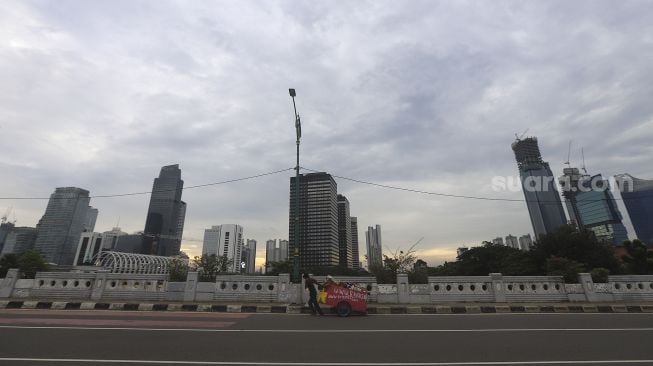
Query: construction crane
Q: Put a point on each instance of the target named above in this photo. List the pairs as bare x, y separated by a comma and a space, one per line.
567, 163
518, 137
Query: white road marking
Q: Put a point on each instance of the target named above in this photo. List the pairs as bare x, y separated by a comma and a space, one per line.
491, 363
490, 330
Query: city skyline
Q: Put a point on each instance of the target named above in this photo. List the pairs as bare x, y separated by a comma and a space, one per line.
430, 100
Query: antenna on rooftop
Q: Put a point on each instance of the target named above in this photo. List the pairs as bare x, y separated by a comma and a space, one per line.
583, 154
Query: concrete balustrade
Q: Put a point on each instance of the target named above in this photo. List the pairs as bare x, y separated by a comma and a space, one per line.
105, 286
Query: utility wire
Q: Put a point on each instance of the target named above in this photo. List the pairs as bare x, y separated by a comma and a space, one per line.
156, 191
455, 195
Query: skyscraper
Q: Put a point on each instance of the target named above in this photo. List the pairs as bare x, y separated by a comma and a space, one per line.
318, 221
374, 246
542, 198
344, 233
591, 206
525, 242
249, 256
165, 216
225, 240
275, 253
91, 218
18, 240
511, 241
637, 195
356, 262
5, 229
62, 224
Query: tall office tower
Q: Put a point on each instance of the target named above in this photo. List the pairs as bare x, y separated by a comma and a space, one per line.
165, 216
542, 198
498, 241
18, 240
249, 256
275, 253
318, 221
344, 233
283, 250
225, 240
62, 224
90, 244
356, 261
270, 253
374, 246
637, 195
525, 242
511, 241
591, 205
91, 218
5, 229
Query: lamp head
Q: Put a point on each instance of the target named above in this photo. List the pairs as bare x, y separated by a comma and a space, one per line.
292, 92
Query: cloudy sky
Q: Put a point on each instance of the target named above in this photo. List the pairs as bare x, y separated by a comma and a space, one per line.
425, 95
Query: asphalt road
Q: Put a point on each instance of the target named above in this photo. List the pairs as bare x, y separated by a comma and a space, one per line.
35, 337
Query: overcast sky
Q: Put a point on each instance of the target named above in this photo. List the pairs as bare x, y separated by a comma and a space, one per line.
423, 95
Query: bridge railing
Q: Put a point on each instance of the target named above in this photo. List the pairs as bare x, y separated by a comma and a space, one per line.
105, 286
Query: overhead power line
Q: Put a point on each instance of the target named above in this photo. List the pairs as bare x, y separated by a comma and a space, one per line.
480, 198
159, 190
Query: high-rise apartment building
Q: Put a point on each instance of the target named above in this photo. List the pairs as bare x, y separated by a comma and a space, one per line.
542, 198
356, 261
498, 241
525, 242
225, 240
374, 246
275, 252
166, 214
511, 241
591, 206
317, 240
344, 233
637, 195
62, 224
249, 256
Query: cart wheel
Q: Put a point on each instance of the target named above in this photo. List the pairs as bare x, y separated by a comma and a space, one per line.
343, 309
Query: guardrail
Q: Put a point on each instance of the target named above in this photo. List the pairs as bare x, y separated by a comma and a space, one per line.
105, 286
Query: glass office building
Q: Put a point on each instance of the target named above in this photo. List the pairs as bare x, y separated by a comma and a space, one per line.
317, 239
165, 216
591, 206
538, 184
637, 195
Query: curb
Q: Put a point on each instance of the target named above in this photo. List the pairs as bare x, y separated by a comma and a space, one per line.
299, 309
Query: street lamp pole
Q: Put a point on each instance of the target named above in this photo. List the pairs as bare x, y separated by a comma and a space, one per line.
298, 130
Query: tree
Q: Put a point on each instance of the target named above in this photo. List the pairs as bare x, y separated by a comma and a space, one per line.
398, 262
577, 245
600, 275
209, 266
7, 262
567, 268
30, 262
494, 258
639, 260
275, 268
178, 270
